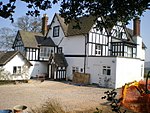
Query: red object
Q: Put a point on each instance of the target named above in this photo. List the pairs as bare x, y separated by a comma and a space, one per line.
136, 98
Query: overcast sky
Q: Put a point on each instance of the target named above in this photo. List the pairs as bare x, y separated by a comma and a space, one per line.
145, 22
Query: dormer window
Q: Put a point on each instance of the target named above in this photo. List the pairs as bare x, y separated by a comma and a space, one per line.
56, 31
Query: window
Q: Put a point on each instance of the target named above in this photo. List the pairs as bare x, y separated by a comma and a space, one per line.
59, 50
97, 49
106, 70
121, 35
75, 69
16, 69
45, 52
56, 31
134, 52
129, 51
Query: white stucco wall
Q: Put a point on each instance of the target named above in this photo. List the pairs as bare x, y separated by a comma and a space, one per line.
38, 68
74, 62
56, 40
140, 50
73, 45
95, 68
128, 70
123, 70
18, 60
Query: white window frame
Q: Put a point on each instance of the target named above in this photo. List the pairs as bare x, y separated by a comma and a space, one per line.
128, 51
98, 49
45, 52
75, 69
17, 69
106, 70
56, 31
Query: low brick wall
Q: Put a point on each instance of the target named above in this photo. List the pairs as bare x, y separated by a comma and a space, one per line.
81, 78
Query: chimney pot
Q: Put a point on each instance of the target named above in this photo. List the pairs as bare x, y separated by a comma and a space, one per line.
136, 27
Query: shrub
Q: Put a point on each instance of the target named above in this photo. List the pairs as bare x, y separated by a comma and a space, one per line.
50, 106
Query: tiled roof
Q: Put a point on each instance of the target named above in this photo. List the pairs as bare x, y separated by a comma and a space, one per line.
59, 60
29, 39
45, 41
86, 24
130, 32
33, 40
7, 56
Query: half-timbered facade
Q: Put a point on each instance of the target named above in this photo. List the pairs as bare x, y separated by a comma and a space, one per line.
111, 56
38, 48
105, 54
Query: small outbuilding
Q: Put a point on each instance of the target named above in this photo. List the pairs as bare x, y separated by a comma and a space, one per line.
14, 66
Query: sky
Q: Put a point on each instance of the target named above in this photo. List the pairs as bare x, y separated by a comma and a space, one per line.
22, 9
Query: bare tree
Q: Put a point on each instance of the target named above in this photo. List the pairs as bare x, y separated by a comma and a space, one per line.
7, 36
28, 23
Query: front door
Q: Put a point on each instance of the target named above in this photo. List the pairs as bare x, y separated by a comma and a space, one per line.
53, 69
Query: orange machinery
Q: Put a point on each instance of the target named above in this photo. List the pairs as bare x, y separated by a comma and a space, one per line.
136, 95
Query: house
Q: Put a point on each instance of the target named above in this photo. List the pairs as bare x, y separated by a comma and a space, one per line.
112, 56
37, 48
14, 66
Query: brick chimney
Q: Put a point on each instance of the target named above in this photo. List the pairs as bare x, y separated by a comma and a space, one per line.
136, 27
138, 39
44, 24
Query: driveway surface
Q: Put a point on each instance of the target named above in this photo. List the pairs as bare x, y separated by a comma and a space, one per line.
35, 93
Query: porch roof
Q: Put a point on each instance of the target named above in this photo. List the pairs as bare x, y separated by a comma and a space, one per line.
59, 59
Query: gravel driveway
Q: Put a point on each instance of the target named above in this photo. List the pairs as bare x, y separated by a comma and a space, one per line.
36, 93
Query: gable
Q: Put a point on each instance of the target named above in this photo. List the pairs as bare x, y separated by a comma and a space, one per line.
17, 41
31, 40
7, 56
69, 29
121, 33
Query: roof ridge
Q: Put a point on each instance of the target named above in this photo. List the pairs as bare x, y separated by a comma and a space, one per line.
30, 32
85, 26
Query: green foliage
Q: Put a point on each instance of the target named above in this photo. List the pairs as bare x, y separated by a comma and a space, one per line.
111, 11
115, 103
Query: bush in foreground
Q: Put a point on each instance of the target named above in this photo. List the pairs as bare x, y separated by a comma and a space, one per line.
50, 106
